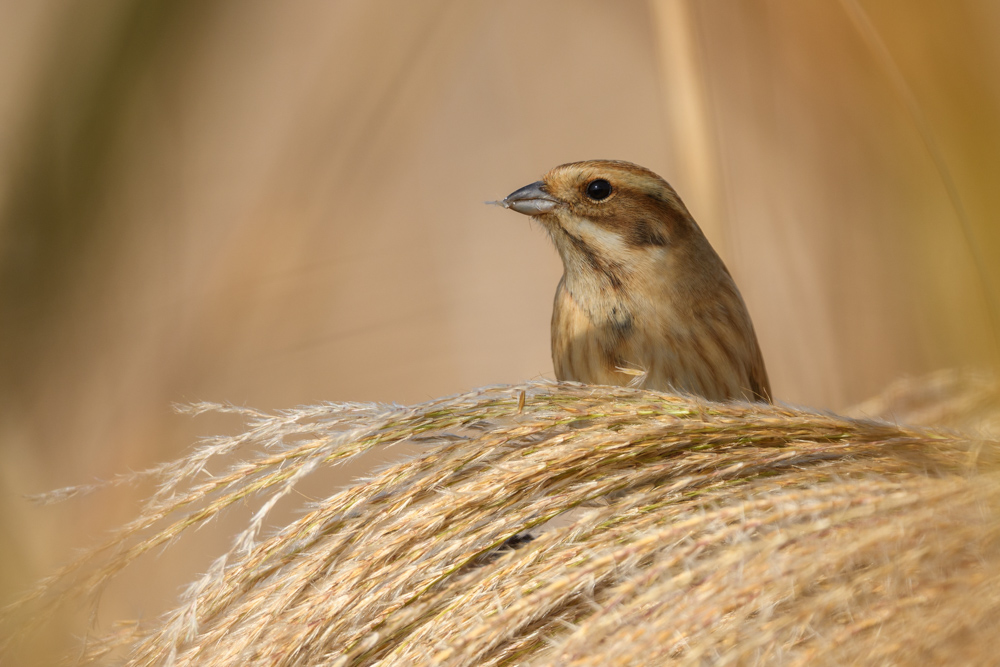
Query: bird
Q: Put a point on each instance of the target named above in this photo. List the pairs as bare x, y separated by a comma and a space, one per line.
644, 299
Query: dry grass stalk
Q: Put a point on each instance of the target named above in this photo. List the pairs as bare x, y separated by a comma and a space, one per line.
698, 532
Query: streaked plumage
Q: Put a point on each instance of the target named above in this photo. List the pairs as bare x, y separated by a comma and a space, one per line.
644, 299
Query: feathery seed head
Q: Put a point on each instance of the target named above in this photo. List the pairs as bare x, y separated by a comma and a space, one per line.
666, 530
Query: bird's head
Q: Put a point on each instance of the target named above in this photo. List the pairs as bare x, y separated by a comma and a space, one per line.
610, 217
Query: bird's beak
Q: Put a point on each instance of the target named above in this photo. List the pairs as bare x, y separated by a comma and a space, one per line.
531, 200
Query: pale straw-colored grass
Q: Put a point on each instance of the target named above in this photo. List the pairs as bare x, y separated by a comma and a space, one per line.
666, 529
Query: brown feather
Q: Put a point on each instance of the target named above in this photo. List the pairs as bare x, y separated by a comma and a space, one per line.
643, 290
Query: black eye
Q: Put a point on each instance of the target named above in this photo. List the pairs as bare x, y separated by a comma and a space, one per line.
598, 189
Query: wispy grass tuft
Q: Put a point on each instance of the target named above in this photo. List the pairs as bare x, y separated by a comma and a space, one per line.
666, 528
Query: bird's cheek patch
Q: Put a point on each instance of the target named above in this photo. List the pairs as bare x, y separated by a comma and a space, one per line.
606, 241
645, 233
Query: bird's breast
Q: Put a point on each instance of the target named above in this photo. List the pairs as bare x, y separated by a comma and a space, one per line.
592, 343
647, 342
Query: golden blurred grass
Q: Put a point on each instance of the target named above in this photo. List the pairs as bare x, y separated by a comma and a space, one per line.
690, 532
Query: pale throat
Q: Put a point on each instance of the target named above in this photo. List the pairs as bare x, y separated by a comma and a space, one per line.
606, 288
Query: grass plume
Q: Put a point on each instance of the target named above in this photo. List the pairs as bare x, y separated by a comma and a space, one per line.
666, 529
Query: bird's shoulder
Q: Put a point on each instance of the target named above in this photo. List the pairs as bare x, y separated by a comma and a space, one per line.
760, 384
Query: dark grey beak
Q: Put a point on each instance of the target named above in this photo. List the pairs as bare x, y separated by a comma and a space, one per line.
531, 200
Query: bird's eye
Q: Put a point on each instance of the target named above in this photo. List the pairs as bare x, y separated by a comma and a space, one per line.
598, 189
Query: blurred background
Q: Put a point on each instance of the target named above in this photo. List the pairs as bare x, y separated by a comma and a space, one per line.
273, 204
